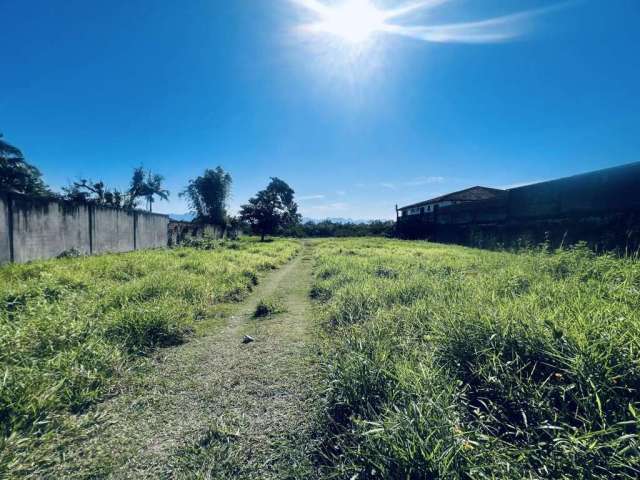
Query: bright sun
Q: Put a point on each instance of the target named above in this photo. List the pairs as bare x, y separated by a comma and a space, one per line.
354, 20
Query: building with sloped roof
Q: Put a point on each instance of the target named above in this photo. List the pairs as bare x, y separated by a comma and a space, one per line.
468, 195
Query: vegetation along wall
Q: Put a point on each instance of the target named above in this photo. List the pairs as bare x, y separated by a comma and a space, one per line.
601, 208
183, 232
32, 229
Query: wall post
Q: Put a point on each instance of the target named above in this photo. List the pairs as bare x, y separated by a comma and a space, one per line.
135, 230
91, 224
12, 255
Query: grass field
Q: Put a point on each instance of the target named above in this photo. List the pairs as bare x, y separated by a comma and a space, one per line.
69, 328
449, 362
437, 362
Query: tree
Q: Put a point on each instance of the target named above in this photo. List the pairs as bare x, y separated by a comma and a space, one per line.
145, 185
94, 192
271, 209
328, 228
136, 188
154, 188
16, 175
207, 196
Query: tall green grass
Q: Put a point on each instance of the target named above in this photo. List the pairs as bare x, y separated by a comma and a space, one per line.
70, 327
449, 362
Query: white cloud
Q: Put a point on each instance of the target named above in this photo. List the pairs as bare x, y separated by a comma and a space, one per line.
342, 193
418, 181
423, 181
328, 207
334, 19
311, 197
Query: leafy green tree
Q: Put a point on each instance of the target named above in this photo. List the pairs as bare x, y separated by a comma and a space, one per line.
16, 175
272, 209
94, 192
137, 187
207, 196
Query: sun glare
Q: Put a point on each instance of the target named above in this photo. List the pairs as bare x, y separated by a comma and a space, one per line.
356, 21
351, 37
353, 21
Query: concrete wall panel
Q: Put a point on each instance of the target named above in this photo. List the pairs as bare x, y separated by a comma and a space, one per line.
112, 230
5, 255
152, 231
45, 229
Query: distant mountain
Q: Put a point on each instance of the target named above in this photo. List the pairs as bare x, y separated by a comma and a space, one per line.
181, 217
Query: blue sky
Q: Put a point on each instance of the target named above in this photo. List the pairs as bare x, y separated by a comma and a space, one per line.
265, 88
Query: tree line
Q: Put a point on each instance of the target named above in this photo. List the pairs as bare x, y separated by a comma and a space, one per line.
328, 228
19, 176
271, 211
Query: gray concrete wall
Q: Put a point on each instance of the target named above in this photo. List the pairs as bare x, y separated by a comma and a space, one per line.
45, 229
5, 255
152, 231
213, 231
112, 230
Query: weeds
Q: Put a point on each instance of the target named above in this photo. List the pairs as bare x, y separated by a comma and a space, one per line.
269, 306
69, 327
449, 362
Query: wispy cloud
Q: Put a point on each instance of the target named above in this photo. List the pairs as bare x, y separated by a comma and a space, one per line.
342, 193
489, 30
492, 30
328, 207
414, 182
311, 197
418, 181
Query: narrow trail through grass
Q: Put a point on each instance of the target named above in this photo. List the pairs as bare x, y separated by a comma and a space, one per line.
214, 407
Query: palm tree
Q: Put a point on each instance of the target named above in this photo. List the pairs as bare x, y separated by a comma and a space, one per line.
137, 187
153, 187
147, 185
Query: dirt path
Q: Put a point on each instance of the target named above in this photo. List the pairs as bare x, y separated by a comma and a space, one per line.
214, 407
